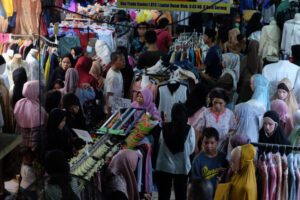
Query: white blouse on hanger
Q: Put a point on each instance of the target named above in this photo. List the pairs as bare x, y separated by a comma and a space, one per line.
290, 35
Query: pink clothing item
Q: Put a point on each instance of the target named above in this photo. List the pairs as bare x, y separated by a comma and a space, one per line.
284, 120
192, 121
137, 87
124, 164
27, 110
273, 178
148, 104
163, 40
285, 179
223, 122
265, 182
278, 165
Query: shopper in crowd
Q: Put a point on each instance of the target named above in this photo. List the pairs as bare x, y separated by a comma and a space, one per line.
30, 116
121, 180
53, 100
295, 135
200, 189
138, 45
76, 53
254, 26
96, 72
243, 182
229, 77
59, 72
83, 67
27, 169
250, 65
150, 57
271, 132
213, 60
123, 29
196, 104
58, 134
209, 161
60, 184
114, 85
296, 54
127, 72
144, 100
281, 108
19, 78
75, 118
285, 93
7, 114
164, 38
173, 161
218, 117
58, 84
85, 92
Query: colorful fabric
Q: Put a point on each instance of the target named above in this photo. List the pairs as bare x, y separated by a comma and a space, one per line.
142, 128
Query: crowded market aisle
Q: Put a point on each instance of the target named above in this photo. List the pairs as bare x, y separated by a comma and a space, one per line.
127, 104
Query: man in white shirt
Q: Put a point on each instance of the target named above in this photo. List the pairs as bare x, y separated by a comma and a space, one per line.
114, 81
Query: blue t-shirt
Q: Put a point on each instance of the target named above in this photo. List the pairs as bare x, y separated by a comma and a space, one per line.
207, 168
213, 62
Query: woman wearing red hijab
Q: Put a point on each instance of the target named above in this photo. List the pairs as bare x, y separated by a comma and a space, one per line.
83, 66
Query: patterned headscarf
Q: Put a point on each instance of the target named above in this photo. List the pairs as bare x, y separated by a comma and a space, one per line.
232, 67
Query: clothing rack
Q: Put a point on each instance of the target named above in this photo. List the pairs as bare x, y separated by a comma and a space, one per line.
33, 36
277, 146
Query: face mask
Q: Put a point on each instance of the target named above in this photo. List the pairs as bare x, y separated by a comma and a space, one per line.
89, 49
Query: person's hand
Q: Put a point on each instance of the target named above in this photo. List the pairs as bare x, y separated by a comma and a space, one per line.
202, 67
85, 86
147, 197
203, 75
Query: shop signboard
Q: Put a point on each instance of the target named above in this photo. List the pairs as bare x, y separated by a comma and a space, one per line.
223, 6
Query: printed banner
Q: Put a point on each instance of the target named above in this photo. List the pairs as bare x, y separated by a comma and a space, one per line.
184, 5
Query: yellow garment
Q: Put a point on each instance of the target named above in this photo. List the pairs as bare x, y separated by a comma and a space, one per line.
222, 192
248, 14
173, 57
8, 7
244, 181
47, 69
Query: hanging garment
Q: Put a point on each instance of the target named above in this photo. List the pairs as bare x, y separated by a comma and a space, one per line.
292, 180
66, 43
168, 99
290, 35
34, 72
285, 182
278, 165
273, 177
297, 173
269, 40
265, 179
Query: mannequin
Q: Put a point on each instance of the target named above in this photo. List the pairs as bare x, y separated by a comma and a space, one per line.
14, 64
33, 52
145, 81
290, 34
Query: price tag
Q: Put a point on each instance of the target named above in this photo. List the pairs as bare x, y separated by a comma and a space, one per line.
55, 29
119, 103
84, 135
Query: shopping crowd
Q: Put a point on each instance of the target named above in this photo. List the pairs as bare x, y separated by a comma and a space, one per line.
200, 150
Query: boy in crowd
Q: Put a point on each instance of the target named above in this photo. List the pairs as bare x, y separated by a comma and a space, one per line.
200, 189
210, 161
114, 80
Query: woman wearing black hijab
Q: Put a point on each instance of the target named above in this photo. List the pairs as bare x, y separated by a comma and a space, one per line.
60, 72
271, 132
53, 100
254, 24
75, 118
19, 78
58, 134
173, 161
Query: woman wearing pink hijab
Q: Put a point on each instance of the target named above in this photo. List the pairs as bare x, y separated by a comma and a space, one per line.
28, 115
144, 99
281, 108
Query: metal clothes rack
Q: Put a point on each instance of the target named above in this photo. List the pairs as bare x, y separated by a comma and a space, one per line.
33, 36
277, 146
